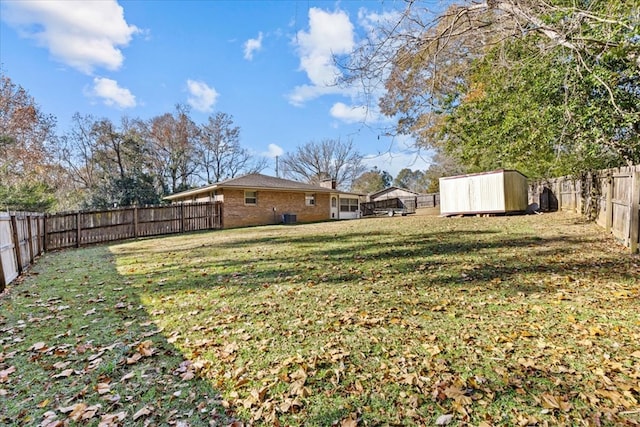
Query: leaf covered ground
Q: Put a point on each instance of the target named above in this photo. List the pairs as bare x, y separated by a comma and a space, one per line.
418, 320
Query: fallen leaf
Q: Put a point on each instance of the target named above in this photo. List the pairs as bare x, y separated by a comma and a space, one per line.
112, 420
61, 365
38, 346
134, 359
443, 420
144, 411
145, 348
350, 421
128, 376
64, 374
103, 388
4, 374
78, 411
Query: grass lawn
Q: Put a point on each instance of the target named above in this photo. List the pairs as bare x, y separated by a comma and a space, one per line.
417, 320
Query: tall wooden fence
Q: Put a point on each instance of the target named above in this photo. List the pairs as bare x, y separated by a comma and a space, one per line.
23, 236
610, 197
21, 240
430, 200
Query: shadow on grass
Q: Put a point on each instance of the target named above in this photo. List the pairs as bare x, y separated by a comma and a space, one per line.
451, 258
78, 337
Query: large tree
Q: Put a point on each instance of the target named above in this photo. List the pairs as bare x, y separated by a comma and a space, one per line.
332, 159
371, 181
173, 139
111, 165
572, 65
414, 180
218, 153
27, 137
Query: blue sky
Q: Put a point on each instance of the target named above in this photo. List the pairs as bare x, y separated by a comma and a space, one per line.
266, 63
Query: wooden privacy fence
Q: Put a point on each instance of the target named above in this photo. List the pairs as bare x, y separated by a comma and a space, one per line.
610, 197
21, 240
23, 235
430, 200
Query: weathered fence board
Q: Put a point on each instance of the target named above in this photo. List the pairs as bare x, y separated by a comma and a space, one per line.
609, 197
8, 262
23, 235
20, 242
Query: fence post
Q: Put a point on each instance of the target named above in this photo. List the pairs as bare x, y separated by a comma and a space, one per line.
30, 236
3, 282
609, 203
634, 215
41, 235
78, 230
182, 217
16, 243
135, 221
45, 228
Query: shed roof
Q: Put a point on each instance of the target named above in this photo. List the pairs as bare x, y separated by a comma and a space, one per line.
390, 189
257, 181
498, 171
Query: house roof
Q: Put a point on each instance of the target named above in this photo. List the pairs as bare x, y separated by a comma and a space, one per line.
257, 181
390, 189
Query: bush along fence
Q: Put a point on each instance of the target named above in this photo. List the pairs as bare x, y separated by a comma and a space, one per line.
609, 197
24, 235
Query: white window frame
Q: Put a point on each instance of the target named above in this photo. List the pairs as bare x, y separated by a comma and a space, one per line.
310, 199
253, 196
351, 204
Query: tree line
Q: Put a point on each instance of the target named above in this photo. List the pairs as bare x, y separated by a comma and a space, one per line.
99, 163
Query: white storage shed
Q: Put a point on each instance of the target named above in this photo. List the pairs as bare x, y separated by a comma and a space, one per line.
500, 191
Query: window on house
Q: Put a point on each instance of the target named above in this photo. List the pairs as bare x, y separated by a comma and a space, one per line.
348, 205
250, 197
310, 199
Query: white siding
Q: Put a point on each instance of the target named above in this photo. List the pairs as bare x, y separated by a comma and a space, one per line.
499, 192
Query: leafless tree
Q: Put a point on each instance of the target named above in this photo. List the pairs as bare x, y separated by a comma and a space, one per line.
172, 138
332, 159
219, 154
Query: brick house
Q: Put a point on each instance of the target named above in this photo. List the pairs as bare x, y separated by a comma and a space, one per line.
257, 199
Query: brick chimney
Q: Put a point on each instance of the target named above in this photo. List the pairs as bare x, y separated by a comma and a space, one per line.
328, 183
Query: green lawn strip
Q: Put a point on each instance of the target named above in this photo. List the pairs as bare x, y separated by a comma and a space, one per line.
500, 320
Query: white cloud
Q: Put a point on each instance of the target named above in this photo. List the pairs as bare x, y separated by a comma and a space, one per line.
274, 151
112, 94
330, 33
202, 96
82, 34
371, 21
251, 46
351, 114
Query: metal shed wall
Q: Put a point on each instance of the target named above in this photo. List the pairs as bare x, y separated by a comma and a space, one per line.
499, 191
